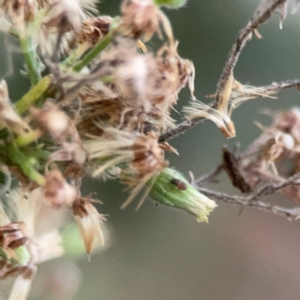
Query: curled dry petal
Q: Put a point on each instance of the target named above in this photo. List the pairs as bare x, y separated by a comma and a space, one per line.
89, 222
142, 18
57, 191
221, 119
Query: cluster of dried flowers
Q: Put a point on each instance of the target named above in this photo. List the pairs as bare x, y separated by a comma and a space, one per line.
99, 112
103, 109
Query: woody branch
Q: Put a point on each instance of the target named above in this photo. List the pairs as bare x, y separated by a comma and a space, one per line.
263, 12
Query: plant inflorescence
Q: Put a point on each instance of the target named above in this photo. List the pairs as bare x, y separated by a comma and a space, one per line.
100, 105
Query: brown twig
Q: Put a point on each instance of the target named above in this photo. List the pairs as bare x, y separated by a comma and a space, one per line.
185, 125
261, 15
254, 199
210, 176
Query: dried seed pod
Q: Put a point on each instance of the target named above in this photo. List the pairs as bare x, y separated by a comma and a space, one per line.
235, 172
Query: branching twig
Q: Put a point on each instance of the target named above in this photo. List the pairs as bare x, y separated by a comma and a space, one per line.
261, 15
185, 125
210, 176
254, 200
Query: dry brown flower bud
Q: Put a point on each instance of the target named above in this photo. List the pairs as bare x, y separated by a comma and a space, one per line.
93, 30
89, 222
148, 155
57, 191
64, 15
143, 153
53, 120
289, 121
70, 152
19, 11
142, 18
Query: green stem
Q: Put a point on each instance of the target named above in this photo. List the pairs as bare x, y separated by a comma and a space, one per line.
31, 58
25, 163
94, 52
33, 95
28, 138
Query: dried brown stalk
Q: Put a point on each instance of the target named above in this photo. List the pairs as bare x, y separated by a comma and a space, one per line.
254, 199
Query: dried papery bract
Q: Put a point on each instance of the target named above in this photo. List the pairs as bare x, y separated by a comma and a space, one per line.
138, 157
13, 236
91, 32
61, 24
19, 12
142, 154
53, 120
200, 110
64, 15
241, 93
57, 191
89, 222
219, 113
143, 18
289, 122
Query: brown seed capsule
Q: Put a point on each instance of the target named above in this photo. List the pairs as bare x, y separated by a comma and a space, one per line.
235, 172
179, 184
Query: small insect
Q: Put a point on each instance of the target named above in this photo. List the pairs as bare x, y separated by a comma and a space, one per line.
179, 184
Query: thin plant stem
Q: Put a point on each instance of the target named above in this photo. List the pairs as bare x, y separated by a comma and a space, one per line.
28, 138
31, 59
33, 95
94, 52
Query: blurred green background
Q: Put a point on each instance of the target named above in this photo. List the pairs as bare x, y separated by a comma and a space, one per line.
160, 253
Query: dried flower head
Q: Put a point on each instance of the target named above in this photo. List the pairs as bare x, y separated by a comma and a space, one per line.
92, 31
142, 154
143, 18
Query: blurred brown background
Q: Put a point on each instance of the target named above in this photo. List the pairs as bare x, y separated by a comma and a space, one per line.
160, 253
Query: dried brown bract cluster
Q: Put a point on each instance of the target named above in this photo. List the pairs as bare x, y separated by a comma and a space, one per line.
273, 157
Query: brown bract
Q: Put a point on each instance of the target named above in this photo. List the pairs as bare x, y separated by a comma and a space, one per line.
148, 156
142, 18
57, 191
89, 222
12, 236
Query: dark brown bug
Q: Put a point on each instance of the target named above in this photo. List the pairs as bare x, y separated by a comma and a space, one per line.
179, 184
